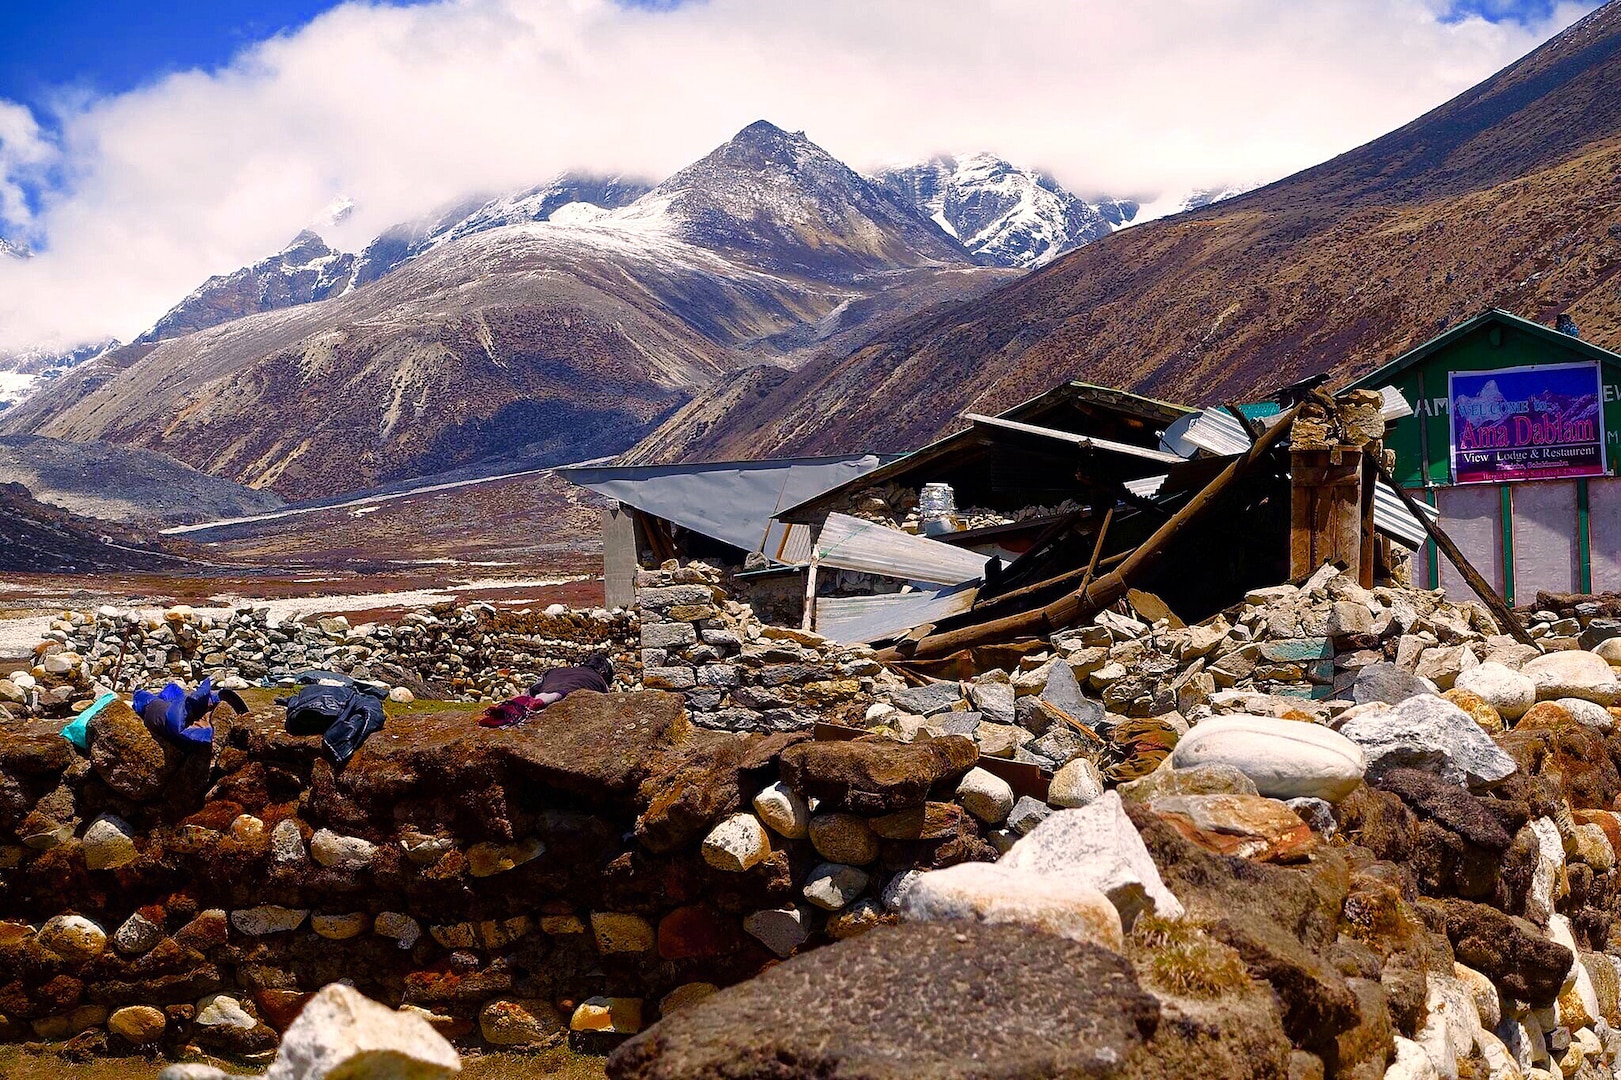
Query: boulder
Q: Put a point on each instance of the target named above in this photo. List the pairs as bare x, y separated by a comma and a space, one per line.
875, 776
1511, 952
344, 852
268, 919
928, 699
137, 935
1478, 709
1388, 683
942, 1000
843, 838
608, 1015
782, 930
1586, 713
1425, 732
109, 843
996, 893
1573, 673
1285, 759
783, 811
1075, 784
986, 796
1097, 846
522, 1022
129, 758
74, 938
1508, 691
1248, 826
831, 886
736, 844
138, 1025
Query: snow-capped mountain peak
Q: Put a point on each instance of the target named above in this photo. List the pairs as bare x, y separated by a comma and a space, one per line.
13, 250
1004, 215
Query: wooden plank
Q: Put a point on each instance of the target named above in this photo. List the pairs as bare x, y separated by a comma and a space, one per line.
618, 558
1088, 442
808, 622
1506, 619
849, 543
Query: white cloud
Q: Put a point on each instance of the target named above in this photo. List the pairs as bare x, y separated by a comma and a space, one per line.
405, 108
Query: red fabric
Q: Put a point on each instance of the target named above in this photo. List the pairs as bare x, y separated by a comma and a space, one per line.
512, 711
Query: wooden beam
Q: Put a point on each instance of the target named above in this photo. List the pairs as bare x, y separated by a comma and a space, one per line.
809, 620
1505, 616
1067, 610
1097, 550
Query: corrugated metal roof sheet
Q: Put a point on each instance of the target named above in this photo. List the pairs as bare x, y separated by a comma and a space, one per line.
731, 501
861, 619
849, 543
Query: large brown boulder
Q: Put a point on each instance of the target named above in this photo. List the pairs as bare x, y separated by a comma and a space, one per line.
128, 757
33, 755
1511, 952
1278, 919
694, 786
1576, 754
875, 776
941, 1000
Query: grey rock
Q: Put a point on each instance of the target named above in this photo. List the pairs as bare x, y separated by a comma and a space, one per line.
1318, 813
1098, 846
1027, 813
1388, 683
342, 1033
1063, 692
928, 699
1429, 733
1060, 744
832, 886
929, 999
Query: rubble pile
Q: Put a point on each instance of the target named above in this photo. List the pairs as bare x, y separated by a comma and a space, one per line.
1402, 882
1122, 690
737, 673
446, 651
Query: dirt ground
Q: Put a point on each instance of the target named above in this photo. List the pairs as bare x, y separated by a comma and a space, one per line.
17, 1063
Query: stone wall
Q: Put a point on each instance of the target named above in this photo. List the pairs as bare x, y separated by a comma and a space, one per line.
737, 673
589, 867
446, 651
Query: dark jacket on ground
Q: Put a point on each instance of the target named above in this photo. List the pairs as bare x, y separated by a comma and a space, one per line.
566, 680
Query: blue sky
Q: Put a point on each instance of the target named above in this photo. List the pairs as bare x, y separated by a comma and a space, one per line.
108, 46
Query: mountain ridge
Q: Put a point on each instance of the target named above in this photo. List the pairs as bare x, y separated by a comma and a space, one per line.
1498, 197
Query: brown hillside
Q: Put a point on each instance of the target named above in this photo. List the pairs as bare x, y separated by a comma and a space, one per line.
1508, 195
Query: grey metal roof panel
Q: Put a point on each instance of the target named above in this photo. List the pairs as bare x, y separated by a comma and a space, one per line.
731, 501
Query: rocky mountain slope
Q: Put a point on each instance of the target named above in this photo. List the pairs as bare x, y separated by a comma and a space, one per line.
1503, 196
36, 538
1004, 215
123, 484
568, 338
303, 272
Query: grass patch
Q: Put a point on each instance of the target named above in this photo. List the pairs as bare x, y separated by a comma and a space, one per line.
1179, 957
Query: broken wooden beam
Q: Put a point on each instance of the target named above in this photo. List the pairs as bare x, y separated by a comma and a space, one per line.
1067, 610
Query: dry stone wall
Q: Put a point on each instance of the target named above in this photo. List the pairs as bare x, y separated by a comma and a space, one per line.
446, 651
736, 673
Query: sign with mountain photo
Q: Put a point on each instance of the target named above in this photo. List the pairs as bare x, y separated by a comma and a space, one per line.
1528, 423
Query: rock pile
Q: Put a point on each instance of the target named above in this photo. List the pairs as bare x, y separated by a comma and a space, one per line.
446, 651
1410, 875
737, 673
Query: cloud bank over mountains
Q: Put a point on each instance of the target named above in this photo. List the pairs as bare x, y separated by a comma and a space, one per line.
131, 200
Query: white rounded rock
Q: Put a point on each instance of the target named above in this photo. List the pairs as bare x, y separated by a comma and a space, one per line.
781, 808
1587, 713
832, 886
736, 844
1501, 687
1609, 650
993, 893
1573, 673
985, 795
345, 852
1286, 759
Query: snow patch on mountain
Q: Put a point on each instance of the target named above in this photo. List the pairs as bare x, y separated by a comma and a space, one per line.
1197, 199
25, 373
1004, 215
